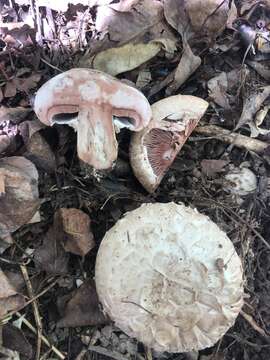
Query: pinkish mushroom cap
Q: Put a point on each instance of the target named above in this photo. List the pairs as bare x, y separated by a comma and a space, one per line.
94, 104
153, 149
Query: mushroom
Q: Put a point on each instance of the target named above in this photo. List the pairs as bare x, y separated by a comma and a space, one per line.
168, 276
88, 100
240, 181
153, 149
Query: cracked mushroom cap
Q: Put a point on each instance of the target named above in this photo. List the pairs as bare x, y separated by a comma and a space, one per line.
88, 100
168, 276
153, 150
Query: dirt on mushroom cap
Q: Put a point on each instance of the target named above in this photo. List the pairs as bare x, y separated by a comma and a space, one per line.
170, 277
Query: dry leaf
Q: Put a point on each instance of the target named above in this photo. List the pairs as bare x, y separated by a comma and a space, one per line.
188, 64
14, 339
115, 61
75, 226
20, 200
211, 167
252, 105
83, 308
9, 298
15, 115
217, 87
40, 153
51, 256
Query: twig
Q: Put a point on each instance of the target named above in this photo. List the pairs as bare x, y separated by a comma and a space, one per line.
52, 66
35, 309
239, 140
113, 354
43, 338
8, 315
252, 322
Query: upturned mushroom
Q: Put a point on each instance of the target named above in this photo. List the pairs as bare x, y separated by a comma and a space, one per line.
94, 104
168, 276
153, 149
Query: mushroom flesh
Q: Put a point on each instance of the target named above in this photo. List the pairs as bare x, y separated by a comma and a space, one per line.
88, 100
153, 149
168, 276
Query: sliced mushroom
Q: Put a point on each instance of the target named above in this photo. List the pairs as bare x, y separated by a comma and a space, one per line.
88, 100
153, 149
168, 276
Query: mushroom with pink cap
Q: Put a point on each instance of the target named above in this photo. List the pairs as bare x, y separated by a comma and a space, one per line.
153, 149
94, 104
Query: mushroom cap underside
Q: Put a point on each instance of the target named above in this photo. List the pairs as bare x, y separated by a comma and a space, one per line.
153, 149
168, 276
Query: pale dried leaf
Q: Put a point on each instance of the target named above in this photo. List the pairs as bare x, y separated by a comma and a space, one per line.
188, 64
83, 308
128, 57
75, 225
217, 90
252, 105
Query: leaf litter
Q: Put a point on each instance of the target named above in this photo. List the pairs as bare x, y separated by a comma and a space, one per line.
214, 49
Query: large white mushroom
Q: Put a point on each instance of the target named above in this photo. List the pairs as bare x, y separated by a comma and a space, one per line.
95, 104
170, 277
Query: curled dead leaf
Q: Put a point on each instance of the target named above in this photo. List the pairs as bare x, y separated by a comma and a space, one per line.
83, 308
20, 197
75, 225
9, 298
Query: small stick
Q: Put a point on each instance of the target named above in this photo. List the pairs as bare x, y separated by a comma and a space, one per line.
239, 140
43, 338
252, 322
35, 309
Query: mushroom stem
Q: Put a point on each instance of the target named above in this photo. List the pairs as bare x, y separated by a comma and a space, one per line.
97, 143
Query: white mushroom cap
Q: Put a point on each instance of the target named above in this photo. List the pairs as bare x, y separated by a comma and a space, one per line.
170, 277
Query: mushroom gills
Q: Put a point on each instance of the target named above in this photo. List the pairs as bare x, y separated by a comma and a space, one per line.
65, 118
121, 122
162, 147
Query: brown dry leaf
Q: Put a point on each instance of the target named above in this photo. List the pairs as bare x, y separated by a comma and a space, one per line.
75, 225
219, 86
51, 256
83, 308
21, 84
262, 68
9, 298
14, 339
252, 105
1, 95
20, 200
4, 143
15, 115
188, 64
211, 167
130, 22
40, 153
